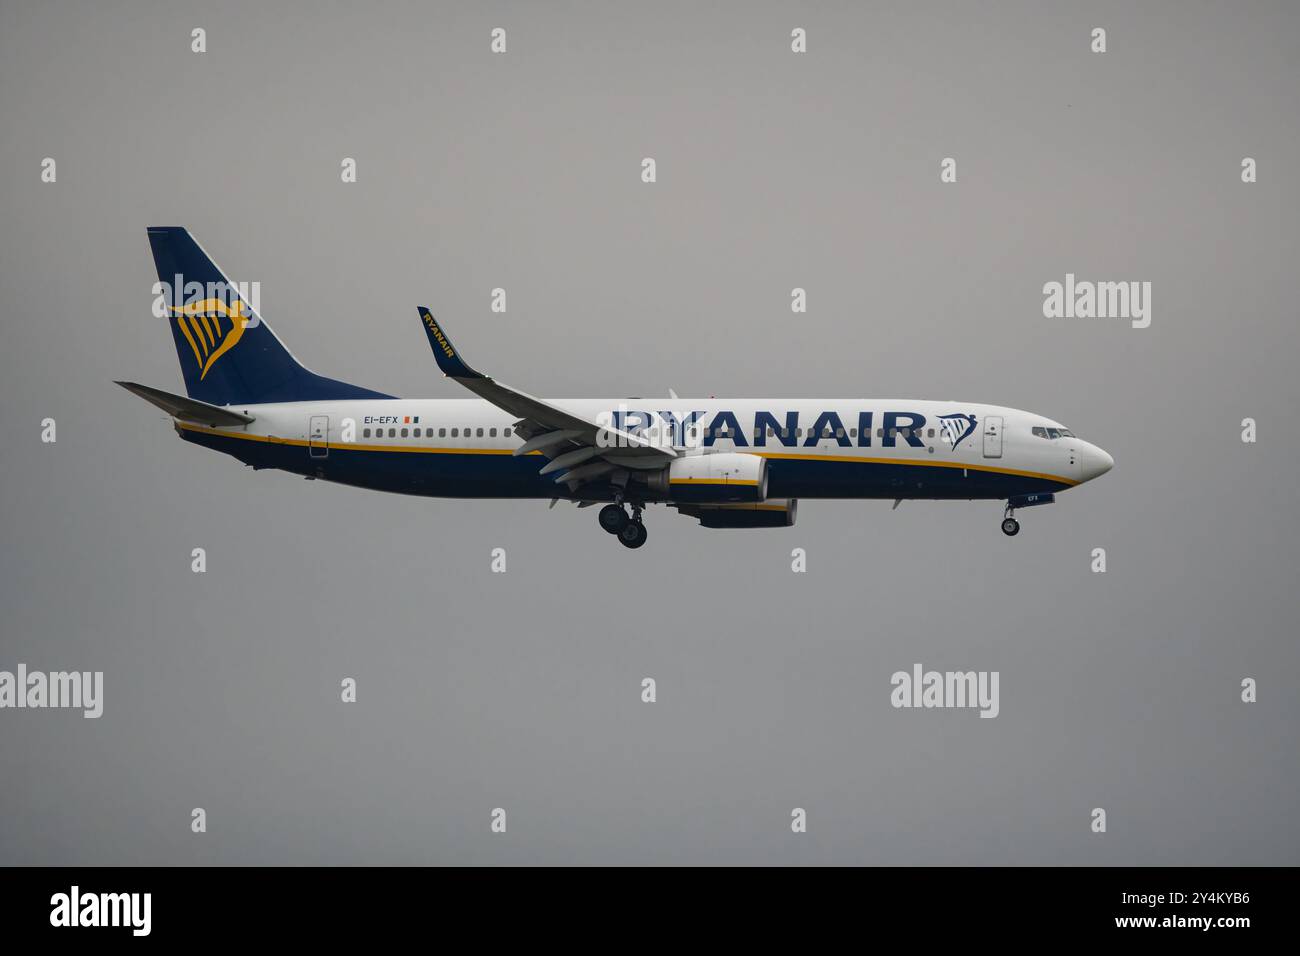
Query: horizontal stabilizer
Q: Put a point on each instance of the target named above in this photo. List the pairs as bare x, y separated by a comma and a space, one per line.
187, 409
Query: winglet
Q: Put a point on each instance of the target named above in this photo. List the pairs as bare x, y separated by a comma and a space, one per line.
443, 351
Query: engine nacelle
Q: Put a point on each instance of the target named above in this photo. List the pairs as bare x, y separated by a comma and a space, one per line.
777, 513
721, 478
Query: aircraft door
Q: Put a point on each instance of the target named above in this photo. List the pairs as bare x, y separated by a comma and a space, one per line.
318, 436
993, 436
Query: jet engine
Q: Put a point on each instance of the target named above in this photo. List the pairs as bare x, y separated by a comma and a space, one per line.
722, 478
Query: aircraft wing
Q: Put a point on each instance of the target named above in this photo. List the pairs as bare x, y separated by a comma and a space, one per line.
590, 450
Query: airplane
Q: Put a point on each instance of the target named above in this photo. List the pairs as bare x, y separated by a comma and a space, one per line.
728, 463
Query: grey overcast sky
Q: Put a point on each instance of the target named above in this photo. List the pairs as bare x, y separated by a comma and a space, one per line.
775, 170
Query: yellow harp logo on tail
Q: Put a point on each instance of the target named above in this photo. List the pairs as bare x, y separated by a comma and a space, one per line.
200, 323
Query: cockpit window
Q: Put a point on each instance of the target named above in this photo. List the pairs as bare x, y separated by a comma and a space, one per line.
1042, 432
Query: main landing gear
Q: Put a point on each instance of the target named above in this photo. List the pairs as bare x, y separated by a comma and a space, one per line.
630, 530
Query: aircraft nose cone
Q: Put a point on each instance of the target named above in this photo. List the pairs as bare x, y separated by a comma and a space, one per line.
1096, 462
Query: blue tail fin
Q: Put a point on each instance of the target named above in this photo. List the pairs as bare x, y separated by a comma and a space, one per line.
228, 355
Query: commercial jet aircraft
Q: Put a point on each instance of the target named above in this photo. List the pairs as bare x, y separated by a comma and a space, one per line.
729, 463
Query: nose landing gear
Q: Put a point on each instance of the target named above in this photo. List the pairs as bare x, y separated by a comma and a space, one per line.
1010, 526
629, 529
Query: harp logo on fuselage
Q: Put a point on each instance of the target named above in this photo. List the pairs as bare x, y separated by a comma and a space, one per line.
956, 428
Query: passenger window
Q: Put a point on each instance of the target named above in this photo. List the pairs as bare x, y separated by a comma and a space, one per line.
880, 433
931, 432
403, 432
492, 433
365, 433
893, 433
442, 433
785, 433
505, 432
839, 433
480, 433
455, 433
392, 433
853, 433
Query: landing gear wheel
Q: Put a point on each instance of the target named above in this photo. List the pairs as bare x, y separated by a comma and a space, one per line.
613, 518
633, 535
1010, 527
